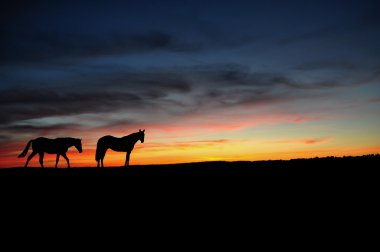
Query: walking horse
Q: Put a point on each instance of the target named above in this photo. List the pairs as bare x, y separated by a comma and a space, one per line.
57, 146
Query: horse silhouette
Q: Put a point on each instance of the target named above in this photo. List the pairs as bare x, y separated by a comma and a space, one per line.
57, 146
123, 144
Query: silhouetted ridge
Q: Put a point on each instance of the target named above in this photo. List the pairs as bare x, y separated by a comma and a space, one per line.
328, 168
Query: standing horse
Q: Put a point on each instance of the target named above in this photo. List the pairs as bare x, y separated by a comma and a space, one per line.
124, 144
57, 146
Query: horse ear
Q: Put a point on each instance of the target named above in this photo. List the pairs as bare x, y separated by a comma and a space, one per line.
139, 130
143, 130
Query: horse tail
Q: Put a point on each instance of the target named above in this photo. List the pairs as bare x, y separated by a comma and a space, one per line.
23, 154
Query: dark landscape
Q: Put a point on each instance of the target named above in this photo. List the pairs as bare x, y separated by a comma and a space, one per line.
327, 168
276, 186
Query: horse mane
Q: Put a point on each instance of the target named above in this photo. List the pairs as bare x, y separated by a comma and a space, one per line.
67, 138
131, 135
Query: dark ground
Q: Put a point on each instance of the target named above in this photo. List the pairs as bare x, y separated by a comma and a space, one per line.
276, 186
329, 168
304, 201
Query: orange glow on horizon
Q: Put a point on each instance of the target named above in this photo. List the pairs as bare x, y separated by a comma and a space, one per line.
235, 137
182, 152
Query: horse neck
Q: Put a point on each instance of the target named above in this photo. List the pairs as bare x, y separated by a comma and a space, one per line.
70, 142
133, 138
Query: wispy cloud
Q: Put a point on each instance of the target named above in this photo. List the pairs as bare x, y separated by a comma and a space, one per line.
375, 100
304, 140
73, 47
185, 144
168, 94
365, 19
346, 65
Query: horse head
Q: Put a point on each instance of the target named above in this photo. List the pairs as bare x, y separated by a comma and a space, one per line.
78, 145
141, 135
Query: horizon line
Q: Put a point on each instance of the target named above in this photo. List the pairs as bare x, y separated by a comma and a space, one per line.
198, 162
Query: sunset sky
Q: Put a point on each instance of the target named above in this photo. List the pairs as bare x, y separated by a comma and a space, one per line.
207, 80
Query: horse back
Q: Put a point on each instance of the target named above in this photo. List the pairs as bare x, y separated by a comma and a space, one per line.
113, 143
51, 146
107, 139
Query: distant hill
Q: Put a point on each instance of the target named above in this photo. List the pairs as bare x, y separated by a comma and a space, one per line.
315, 168
274, 185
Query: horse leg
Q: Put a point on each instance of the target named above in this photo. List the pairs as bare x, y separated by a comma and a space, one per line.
29, 158
102, 157
127, 159
67, 159
100, 160
56, 161
42, 159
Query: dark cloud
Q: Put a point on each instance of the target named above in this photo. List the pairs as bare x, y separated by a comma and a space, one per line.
166, 81
11, 131
38, 47
41, 129
345, 65
37, 103
263, 82
5, 138
356, 23
118, 123
375, 100
230, 98
42, 33
252, 79
93, 94
159, 93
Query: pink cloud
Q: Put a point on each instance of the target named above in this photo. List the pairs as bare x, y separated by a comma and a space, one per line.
305, 140
196, 124
183, 144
